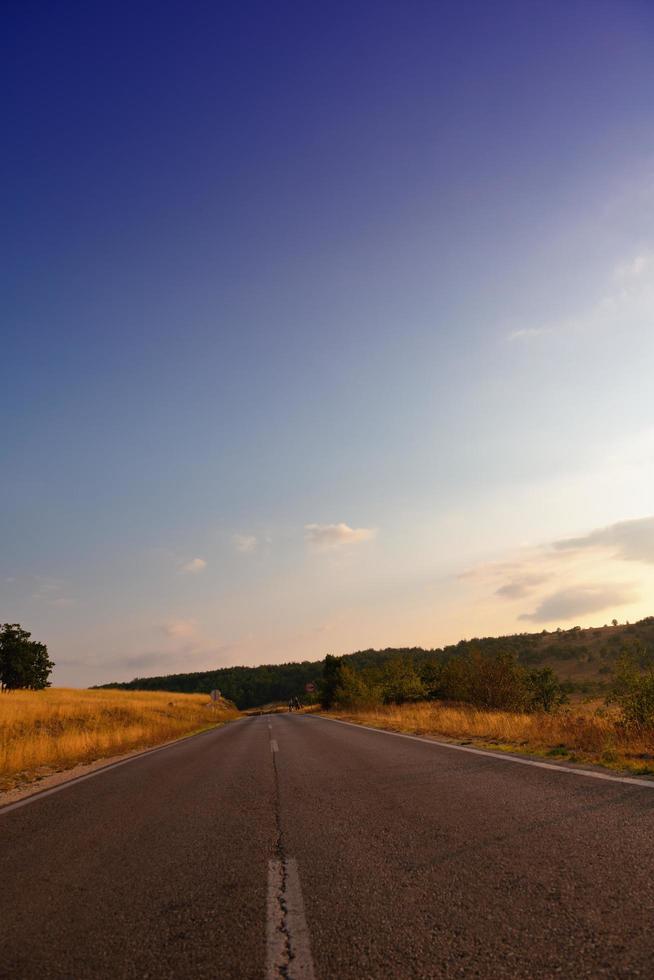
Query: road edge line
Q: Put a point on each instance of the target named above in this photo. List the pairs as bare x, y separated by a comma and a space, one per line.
499, 756
39, 794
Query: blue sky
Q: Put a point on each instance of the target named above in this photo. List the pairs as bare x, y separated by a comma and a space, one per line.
323, 328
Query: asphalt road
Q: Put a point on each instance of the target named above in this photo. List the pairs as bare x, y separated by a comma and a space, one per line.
291, 846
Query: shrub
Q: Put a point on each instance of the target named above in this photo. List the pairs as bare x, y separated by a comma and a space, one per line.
352, 690
400, 682
633, 691
486, 681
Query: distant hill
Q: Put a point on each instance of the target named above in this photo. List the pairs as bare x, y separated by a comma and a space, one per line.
582, 658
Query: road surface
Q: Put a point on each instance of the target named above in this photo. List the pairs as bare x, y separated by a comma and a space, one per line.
293, 846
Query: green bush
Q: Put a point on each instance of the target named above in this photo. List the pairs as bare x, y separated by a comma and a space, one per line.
544, 690
400, 682
633, 691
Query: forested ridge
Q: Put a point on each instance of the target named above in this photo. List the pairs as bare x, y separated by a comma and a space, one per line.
583, 659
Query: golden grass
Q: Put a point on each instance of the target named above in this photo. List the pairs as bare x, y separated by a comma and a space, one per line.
42, 731
585, 732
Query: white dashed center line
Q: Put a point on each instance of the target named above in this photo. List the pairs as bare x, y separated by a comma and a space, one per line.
288, 951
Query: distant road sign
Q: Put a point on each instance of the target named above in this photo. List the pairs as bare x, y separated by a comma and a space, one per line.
215, 695
310, 687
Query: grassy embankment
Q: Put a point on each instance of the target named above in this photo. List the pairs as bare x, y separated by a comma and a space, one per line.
46, 731
586, 733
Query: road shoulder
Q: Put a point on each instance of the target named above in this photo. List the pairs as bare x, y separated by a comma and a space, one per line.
54, 779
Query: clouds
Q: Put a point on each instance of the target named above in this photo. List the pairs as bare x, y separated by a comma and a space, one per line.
572, 577
51, 592
327, 537
579, 600
626, 540
145, 661
245, 544
527, 333
193, 567
635, 268
624, 304
518, 588
187, 657
180, 628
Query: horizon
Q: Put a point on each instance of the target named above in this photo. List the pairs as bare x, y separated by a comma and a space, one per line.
351, 653
324, 333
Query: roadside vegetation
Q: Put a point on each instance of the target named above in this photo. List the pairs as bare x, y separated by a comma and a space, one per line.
585, 695
491, 700
45, 731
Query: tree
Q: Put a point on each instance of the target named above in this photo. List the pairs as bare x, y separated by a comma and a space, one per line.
24, 663
545, 691
331, 679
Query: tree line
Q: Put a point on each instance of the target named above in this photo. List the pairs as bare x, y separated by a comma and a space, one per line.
247, 687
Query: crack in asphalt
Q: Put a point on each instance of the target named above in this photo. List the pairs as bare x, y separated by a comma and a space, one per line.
283, 951
289, 956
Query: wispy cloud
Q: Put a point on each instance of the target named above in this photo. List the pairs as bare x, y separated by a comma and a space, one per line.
326, 537
635, 268
145, 661
177, 628
519, 587
528, 333
626, 540
580, 599
51, 592
571, 577
193, 657
245, 544
193, 567
626, 302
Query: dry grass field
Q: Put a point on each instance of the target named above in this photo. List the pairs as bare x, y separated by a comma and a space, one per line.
46, 731
583, 733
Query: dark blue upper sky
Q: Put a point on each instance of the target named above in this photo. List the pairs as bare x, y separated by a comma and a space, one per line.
260, 264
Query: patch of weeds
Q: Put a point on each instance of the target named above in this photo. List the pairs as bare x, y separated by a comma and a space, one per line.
558, 750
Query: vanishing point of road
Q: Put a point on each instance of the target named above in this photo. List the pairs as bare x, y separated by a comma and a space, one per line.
294, 846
